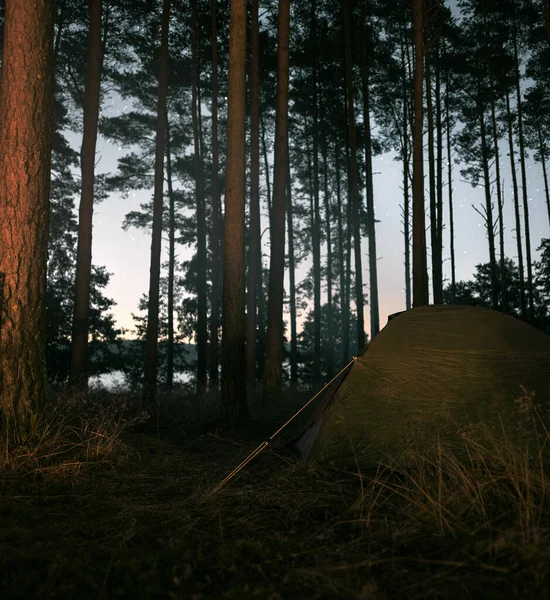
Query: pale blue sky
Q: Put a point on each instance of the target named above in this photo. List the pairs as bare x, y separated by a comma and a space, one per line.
126, 254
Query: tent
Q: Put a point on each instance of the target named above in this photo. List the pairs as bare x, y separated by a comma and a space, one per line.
430, 372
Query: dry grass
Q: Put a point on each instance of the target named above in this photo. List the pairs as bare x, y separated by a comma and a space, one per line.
441, 522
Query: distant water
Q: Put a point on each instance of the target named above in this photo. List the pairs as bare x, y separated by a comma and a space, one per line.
116, 380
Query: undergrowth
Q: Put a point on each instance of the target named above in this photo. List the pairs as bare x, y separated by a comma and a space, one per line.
108, 506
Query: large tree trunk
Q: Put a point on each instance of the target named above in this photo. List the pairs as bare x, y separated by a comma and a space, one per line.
201, 334
371, 221
354, 188
171, 264
511, 153
234, 328
151, 343
274, 351
254, 249
79, 342
215, 230
420, 273
26, 109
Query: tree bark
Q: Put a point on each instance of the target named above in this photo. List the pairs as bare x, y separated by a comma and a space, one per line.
503, 285
202, 333
344, 312
79, 342
234, 328
316, 225
511, 152
450, 188
488, 207
420, 274
328, 235
26, 110
171, 263
437, 278
292, 284
353, 180
371, 221
151, 342
213, 361
406, 179
523, 170
254, 249
273, 381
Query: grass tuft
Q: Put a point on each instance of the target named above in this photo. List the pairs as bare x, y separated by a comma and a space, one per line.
443, 521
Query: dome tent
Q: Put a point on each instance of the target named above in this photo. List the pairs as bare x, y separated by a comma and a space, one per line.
431, 371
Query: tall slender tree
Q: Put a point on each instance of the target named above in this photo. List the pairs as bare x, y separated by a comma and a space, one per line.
92, 90
254, 250
273, 376
26, 109
420, 274
215, 233
233, 320
201, 333
151, 346
369, 177
353, 183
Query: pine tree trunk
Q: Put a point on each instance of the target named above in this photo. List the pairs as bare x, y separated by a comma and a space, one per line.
233, 327
354, 188
406, 179
213, 361
201, 333
315, 226
344, 311
347, 287
503, 285
439, 178
488, 207
151, 342
292, 284
273, 377
450, 190
254, 268
437, 283
79, 342
26, 110
420, 273
266, 171
511, 153
171, 263
371, 221
328, 235
523, 170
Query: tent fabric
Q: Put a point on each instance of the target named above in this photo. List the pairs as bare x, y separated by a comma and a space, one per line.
430, 372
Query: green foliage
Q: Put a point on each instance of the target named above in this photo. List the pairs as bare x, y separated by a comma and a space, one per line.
477, 291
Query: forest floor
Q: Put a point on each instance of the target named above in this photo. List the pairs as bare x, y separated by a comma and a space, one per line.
125, 513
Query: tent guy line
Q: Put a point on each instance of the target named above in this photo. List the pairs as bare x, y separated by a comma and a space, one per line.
266, 443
